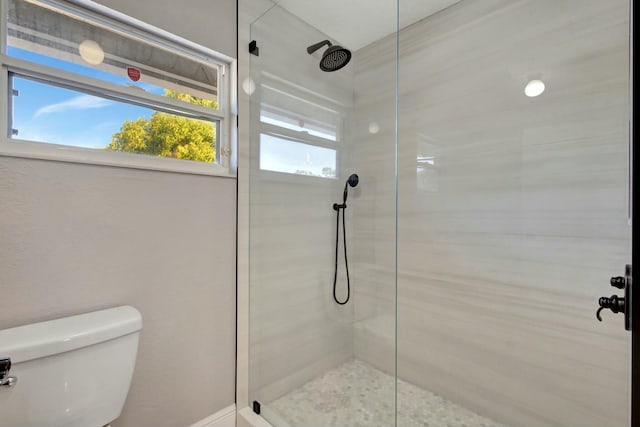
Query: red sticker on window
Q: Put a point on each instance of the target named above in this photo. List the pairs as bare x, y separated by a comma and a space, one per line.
133, 73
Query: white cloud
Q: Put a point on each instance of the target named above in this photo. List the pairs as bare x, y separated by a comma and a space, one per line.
81, 102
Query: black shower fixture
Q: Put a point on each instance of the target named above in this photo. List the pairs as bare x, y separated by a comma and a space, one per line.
333, 58
351, 181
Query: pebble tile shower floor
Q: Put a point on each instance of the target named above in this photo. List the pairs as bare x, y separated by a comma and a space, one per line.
357, 395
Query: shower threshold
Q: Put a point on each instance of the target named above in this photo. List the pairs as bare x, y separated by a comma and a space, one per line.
355, 394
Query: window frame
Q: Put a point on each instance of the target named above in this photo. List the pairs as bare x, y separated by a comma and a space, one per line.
221, 118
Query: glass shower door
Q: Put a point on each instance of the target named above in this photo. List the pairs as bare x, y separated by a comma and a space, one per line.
321, 354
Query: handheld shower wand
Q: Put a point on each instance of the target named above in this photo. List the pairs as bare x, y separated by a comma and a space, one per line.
352, 181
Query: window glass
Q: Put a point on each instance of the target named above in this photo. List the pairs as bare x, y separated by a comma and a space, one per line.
48, 113
293, 157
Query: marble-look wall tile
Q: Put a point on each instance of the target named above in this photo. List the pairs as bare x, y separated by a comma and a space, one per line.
512, 211
372, 155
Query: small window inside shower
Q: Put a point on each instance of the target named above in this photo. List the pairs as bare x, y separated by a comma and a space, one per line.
278, 154
299, 135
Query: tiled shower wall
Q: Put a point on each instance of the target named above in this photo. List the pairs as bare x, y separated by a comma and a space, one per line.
512, 211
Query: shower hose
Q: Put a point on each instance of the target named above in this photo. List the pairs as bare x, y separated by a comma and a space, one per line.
346, 264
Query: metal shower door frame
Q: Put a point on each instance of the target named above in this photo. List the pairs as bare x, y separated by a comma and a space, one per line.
635, 252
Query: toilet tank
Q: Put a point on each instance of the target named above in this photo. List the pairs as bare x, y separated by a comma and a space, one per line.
71, 372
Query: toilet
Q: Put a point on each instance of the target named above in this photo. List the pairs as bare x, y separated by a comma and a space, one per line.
69, 372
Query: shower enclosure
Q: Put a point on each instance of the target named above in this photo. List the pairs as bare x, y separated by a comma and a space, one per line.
492, 144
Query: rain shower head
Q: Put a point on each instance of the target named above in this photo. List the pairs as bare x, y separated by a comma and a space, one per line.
333, 58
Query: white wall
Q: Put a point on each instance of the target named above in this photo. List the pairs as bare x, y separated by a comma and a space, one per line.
77, 238
507, 241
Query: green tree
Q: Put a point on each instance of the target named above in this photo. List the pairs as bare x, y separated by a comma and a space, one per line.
191, 99
166, 135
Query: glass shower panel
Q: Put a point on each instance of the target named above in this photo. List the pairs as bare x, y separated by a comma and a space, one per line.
313, 361
513, 154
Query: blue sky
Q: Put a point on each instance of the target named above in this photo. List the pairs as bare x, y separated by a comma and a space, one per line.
50, 114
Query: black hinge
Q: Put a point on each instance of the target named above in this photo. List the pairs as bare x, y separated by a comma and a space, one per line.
256, 407
253, 48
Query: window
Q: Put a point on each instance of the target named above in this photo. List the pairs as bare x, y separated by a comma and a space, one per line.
279, 154
84, 86
298, 135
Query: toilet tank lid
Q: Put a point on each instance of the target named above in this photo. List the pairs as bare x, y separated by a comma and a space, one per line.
43, 339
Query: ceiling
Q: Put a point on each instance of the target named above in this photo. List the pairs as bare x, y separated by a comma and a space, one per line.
357, 23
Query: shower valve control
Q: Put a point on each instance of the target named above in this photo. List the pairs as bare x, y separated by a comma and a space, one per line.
616, 303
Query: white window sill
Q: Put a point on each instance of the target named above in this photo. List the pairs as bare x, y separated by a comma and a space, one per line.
91, 156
